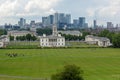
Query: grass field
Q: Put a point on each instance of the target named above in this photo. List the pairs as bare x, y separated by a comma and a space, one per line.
34, 64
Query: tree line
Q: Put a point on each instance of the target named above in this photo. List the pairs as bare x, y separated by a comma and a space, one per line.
74, 37
27, 37
41, 31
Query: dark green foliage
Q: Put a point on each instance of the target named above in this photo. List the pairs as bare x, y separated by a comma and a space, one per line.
71, 37
3, 32
104, 33
114, 37
46, 31
70, 72
28, 37
116, 40
85, 34
11, 38
107, 34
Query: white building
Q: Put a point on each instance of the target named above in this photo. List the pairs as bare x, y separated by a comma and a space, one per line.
1, 44
100, 41
54, 40
4, 40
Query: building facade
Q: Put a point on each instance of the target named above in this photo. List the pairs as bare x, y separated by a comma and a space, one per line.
110, 25
81, 22
20, 33
95, 24
54, 40
1, 44
4, 40
100, 41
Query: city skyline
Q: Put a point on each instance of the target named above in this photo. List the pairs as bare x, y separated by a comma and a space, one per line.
103, 11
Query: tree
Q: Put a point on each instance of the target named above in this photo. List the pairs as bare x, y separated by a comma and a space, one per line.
28, 37
71, 37
46, 31
116, 40
70, 72
3, 32
11, 38
107, 33
104, 33
85, 34
33, 38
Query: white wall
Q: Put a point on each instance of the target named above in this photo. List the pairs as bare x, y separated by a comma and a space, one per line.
44, 42
1, 44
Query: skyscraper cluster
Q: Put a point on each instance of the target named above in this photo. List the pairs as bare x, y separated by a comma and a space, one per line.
61, 19
80, 23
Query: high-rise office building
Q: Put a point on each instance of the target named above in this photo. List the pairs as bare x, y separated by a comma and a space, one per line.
44, 21
48, 21
56, 18
109, 25
86, 25
82, 22
32, 23
51, 19
76, 23
62, 19
68, 18
22, 23
95, 24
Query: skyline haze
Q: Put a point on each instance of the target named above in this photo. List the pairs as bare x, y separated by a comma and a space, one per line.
103, 11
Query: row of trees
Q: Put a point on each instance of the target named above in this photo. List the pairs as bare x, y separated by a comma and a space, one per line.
28, 37
73, 37
47, 31
114, 37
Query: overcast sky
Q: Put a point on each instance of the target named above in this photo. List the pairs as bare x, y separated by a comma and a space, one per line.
102, 10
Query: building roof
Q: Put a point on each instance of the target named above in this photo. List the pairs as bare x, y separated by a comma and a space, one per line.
3, 37
71, 32
18, 32
96, 37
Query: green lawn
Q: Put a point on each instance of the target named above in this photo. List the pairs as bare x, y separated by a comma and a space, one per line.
32, 64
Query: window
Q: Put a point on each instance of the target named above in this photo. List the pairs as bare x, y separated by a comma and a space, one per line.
58, 43
42, 40
58, 39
